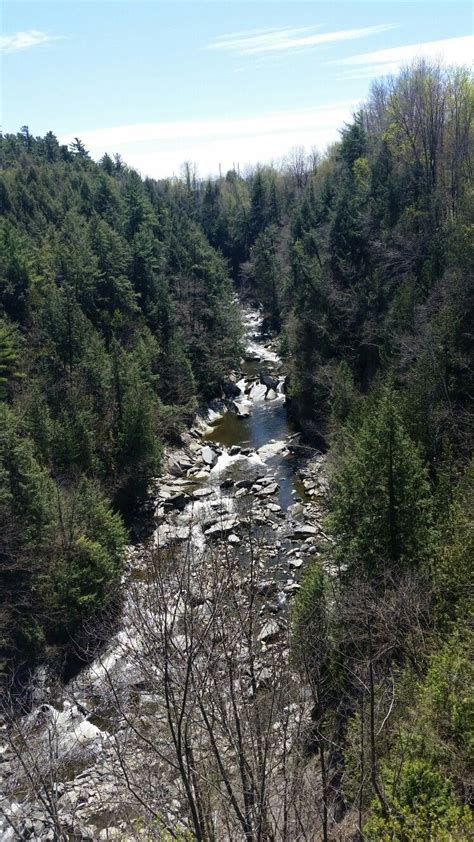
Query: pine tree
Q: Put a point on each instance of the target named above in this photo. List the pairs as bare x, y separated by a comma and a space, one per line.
267, 274
381, 505
9, 357
258, 206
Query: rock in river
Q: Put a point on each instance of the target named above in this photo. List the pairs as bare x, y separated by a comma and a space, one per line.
304, 531
209, 456
273, 507
222, 528
242, 408
269, 489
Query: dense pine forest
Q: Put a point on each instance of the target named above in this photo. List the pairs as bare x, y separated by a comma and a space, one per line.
118, 319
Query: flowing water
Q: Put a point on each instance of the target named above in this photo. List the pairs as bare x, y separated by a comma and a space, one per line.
267, 429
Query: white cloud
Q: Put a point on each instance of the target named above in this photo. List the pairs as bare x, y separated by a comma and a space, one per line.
288, 40
24, 40
158, 149
247, 33
456, 51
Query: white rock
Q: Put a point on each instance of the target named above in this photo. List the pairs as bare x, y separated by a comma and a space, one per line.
304, 530
269, 489
209, 456
222, 528
269, 631
273, 507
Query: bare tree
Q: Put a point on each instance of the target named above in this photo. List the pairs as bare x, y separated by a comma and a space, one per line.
297, 166
39, 751
385, 624
228, 715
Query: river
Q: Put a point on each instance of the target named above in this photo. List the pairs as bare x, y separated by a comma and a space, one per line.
267, 424
234, 474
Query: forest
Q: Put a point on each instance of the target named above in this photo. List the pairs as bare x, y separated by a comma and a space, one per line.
119, 319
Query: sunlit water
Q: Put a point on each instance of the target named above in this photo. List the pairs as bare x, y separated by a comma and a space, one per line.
267, 429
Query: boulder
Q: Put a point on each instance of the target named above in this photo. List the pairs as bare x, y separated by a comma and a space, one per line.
221, 529
231, 390
269, 631
176, 501
269, 489
242, 410
178, 464
244, 483
199, 493
209, 456
200, 474
234, 450
273, 507
181, 534
174, 467
304, 531
264, 679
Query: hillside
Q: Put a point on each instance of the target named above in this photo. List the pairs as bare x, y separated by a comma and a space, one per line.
288, 670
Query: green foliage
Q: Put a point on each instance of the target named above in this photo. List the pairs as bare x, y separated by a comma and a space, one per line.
309, 617
27, 518
14, 271
452, 567
87, 567
267, 275
9, 357
26, 489
381, 505
258, 206
343, 394
120, 315
446, 698
423, 809
61, 553
116, 304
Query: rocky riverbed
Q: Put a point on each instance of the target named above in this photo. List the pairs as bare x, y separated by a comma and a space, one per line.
238, 477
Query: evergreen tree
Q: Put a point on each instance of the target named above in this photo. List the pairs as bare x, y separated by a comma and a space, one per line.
267, 274
9, 357
258, 206
380, 495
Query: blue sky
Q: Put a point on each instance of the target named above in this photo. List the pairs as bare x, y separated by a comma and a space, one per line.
209, 82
